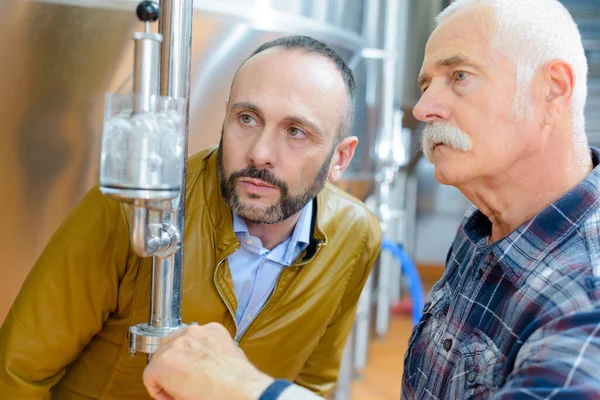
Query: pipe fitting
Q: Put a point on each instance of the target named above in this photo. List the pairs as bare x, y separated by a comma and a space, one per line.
150, 238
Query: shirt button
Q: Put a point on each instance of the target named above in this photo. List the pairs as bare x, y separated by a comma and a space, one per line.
472, 376
479, 274
248, 242
447, 344
426, 307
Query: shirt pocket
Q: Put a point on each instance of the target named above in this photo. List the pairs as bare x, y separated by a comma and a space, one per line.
426, 332
483, 363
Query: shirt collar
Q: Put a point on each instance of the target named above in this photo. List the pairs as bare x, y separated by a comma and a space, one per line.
301, 234
239, 225
296, 243
537, 237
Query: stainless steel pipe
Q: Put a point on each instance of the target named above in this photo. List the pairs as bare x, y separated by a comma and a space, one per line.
175, 25
164, 238
397, 12
145, 67
165, 307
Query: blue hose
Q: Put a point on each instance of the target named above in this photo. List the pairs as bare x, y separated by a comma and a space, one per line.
409, 269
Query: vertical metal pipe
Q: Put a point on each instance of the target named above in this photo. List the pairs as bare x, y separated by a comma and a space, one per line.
371, 25
395, 40
411, 214
145, 67
343, 389
175, 25
398, 195
385, 136
362, 328
389, 68
383, 162
165, 306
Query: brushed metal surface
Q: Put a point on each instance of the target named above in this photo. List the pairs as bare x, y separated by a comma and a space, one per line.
61, 57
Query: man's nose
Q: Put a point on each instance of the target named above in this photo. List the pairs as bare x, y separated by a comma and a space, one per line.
263, 153
431, 107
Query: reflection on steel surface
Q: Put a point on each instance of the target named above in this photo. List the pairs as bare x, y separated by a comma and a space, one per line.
65, 55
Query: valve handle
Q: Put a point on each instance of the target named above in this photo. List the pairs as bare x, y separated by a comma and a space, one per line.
148, 11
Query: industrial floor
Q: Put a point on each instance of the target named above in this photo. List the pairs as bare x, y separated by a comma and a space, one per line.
382, 378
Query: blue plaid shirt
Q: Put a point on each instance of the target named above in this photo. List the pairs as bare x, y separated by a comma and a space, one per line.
518, 319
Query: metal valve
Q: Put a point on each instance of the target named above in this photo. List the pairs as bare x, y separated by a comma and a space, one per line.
142, 164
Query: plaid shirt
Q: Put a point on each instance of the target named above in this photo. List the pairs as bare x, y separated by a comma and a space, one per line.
518, 319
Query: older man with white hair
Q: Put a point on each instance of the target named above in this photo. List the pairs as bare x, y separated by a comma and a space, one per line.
516, 314
517, 311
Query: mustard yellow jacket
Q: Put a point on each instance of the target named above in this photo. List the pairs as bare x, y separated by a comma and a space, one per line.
66, 334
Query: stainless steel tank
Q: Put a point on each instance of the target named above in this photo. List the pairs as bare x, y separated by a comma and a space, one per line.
60, 57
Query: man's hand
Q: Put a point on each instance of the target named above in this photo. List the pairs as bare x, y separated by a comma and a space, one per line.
202, 363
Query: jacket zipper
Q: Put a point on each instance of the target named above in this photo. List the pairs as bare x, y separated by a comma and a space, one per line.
223, 297
273, 293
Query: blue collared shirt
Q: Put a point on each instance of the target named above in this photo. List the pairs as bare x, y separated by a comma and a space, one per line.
520, 318
255, 270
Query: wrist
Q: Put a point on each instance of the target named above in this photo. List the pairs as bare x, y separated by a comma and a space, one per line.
259, 385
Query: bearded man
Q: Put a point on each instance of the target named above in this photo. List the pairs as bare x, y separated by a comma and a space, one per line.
516, 314
273, 252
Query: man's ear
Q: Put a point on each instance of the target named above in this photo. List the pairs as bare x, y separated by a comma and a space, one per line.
343, 156
559, 81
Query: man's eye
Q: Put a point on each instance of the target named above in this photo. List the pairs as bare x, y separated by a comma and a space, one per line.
247, 119
295, 132
460, 75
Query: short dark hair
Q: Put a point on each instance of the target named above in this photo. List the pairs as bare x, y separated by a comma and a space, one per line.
314, 46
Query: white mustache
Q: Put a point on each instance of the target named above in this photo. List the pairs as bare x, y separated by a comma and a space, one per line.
443, 132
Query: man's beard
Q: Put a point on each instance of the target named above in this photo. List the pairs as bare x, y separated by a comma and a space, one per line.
285, 207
